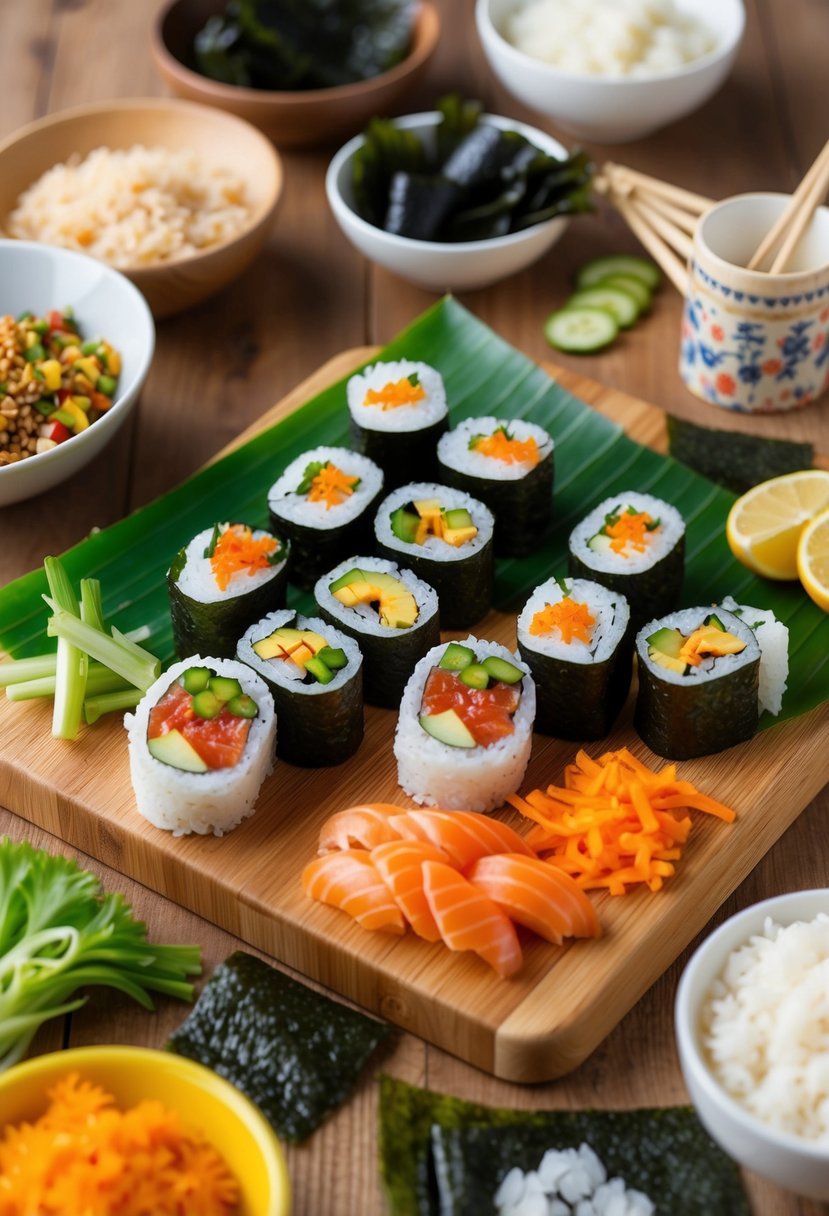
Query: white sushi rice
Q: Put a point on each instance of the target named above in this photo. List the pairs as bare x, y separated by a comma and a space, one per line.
364, 617
433, 547
765, 1027
455, 453
686, 621
288, 674
610, 609
568, 1182
415, 417
198, 581
285, 503
773, 637
215, 801
661, 541
460, 778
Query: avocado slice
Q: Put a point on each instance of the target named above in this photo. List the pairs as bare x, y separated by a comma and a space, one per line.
667, 641
278, 644
668, 661
351, 576
447, 728
173, 749
459, 536
396, 604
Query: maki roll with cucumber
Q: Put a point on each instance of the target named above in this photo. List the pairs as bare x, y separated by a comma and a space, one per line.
464, 733
324, 502
315, 674
398, 412
446, 538
635, 544
509, 467
574, 636
391, 613
201, 742
226, 578
698, 683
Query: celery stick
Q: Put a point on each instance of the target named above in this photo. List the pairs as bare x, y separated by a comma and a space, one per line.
70, 671
136, 665
91, 608
99, 679
109, 702
20, 670
140, 634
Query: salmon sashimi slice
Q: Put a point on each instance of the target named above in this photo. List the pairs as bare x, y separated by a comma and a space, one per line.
486, 712
349, 880
399, 863
463, 835
537, 895
361, 827
219, 741
469, 920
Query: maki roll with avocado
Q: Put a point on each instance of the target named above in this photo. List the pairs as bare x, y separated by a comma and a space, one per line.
509, 467
324, 503
575, 637
445, 537
201, 742
464, 733
315, 674
698, 683
635, 544
398, 412
226, 578
391, 613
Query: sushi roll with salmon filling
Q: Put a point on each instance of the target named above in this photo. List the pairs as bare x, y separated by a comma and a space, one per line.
225, 579
445, 537
635, 544
315, 674
398, 412
324, 502
698, 683
201, 742
509, 467
390, 613
574, 636
464, 732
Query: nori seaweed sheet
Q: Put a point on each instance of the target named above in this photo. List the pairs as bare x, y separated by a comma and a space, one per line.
579, 700
402, 455
321, 728
665, 1152
389, 660
315, 550
464, 585
732, 459
295, 1053
523, 507
650, 593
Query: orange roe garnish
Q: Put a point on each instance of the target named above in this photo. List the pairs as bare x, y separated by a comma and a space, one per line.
395, 393
571, 618
629, 530
83, 1156
331, 486
237, 550
501, 446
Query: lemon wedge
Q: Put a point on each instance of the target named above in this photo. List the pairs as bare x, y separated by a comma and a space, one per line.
813, 559
765, 524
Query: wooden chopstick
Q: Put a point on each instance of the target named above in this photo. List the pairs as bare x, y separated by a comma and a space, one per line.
653, 242
674, 236
686, 200
790, 214
684, 220
801, 220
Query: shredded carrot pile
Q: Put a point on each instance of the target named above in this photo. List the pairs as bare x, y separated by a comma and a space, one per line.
395, 393
629, 530
83, 1157
501, 446
571, 618
237, 549
331, 486
615, 822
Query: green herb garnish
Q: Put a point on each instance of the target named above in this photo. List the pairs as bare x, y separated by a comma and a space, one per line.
213, 542
312, 470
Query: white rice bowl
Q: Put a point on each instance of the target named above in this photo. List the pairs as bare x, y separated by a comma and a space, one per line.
415, 417
610, 609
364, 617
286, 504
433, 547
454, 451
773, 638
197, 580
287, 674
662, 540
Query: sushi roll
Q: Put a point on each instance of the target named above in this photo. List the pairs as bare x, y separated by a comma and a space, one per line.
315, 674
398, 412
698, 683
574, 636
445, 537
225, 579
464, 733
324, 502
201, 742
509, 467
392, 614
635, 544
773, 639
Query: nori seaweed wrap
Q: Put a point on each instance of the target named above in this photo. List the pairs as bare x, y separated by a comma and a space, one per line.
398, 412
698, 683
315, 675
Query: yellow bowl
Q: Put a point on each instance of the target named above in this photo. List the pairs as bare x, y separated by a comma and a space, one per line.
231, 1123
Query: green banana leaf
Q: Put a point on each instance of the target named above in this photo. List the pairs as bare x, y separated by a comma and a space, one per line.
484, 375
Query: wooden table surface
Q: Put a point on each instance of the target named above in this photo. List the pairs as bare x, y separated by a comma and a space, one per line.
218, 367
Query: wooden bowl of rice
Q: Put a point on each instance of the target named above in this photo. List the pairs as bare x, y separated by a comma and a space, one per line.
179, 197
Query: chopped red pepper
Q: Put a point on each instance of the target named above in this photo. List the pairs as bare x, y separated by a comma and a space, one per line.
58, 432
100, 401
57, 320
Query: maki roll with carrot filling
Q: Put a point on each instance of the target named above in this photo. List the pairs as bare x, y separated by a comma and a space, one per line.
698, 683
227, 577
574, 636
635, 544
324, 503
201, 742
445, 537
398, 412
315, 675
509, 467
464, 733
391, 613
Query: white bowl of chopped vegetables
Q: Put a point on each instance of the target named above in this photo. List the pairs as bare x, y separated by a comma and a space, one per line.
77, 343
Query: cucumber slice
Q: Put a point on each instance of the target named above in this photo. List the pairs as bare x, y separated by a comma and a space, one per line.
633, 286
206, 704
620, 303
596, 269
224, 687
319, 671
456, 657
242, 706
580, 330
195, 679
501, 669
475, 676
333, 657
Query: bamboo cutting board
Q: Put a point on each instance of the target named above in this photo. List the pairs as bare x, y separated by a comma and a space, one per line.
535, 1027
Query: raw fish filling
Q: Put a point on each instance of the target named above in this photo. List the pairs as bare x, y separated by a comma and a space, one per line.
487, 713
219, 741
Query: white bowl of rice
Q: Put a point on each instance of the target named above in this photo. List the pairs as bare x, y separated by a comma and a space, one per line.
611, 70
752, 1026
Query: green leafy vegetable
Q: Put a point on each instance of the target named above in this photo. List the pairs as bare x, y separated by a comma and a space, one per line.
732, 459
59, 933
72, 662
